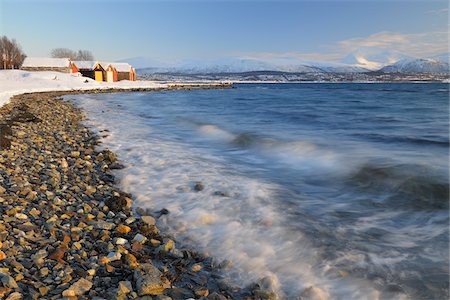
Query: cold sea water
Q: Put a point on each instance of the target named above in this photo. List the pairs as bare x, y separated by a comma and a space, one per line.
343, 187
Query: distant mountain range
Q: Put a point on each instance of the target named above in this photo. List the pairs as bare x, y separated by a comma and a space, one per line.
361, 61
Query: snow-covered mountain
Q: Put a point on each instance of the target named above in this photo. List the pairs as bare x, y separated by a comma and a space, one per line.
240, 65
362, 60
444, 57
373, 58
418, 65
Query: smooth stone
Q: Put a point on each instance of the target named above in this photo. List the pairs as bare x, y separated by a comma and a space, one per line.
149, 220
199, 186
314, 293
121, 241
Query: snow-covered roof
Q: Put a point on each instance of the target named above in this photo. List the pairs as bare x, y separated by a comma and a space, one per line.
35, 62
84, 64
120, 67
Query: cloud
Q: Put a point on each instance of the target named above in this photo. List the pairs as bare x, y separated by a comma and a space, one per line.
422, 45
438, 12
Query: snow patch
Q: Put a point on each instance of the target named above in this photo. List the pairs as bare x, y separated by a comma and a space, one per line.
15, 82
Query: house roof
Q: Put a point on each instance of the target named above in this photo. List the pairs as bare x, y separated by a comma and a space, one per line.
34, 62
81, 65
120, 67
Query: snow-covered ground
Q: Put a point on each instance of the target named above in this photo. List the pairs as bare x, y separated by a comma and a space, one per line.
14, 82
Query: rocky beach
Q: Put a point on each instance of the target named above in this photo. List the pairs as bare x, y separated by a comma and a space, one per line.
67, 232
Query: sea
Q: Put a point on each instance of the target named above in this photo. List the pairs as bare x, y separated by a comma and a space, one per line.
341, 187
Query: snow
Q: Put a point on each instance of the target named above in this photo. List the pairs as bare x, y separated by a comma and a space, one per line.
15, 82
33, 62
120, 67
84, 64
373, 58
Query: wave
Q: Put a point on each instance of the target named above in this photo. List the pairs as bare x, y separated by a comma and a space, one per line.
404, 186
404, 139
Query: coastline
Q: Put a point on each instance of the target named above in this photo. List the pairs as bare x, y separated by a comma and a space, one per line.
67, 231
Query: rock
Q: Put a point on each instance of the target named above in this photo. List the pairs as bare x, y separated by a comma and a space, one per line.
113, 256
314, 293
21, 216
149, 220
38, 257
119, 202
123, 229
2, 190
199, 186
14, 296
266, 288
2, 255
121, 241
8, 281
168, 245
78, 288
58, 254
109, 156
64, 163
140, 238
196, 268
124, 288
105, 225
75, 153
216, 296
148, 280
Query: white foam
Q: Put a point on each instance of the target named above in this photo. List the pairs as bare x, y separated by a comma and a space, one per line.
246, 227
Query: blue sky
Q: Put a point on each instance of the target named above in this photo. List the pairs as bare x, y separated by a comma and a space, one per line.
173, 30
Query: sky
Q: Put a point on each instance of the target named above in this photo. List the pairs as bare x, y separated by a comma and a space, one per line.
321, 30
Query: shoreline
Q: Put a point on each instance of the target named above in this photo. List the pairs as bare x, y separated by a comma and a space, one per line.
68, 231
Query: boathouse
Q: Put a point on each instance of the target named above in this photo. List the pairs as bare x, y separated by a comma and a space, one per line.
46, 64
119, 71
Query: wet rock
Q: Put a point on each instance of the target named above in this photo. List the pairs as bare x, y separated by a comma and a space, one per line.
314, 293
266, 288
221, 194
199, 186
109, 156
148, 280
119, 202
149, 220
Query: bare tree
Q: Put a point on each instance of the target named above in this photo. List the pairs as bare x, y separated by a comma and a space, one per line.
71, 54
85, 55
11, 54
64, 53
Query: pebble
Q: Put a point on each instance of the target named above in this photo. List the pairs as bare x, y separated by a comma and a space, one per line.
113, 256
66, 231
149, 220
140, 238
